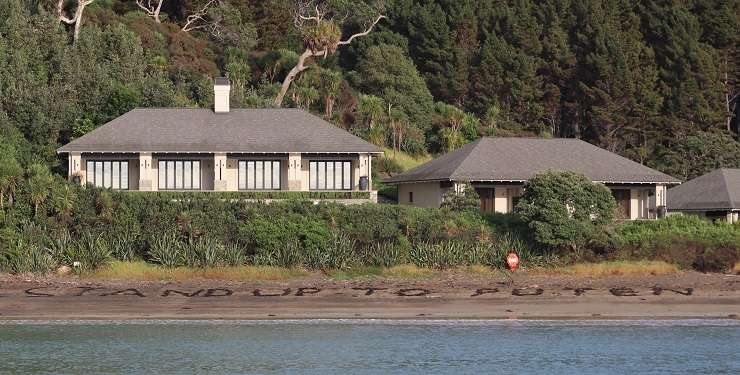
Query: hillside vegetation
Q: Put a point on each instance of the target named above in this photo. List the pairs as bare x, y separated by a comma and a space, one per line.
655, 81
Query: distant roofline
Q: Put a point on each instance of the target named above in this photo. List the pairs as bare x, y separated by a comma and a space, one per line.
388, 181
731, 209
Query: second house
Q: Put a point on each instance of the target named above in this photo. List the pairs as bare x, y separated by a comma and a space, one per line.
498, 168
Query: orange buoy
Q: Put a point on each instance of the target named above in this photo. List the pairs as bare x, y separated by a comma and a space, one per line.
512, 260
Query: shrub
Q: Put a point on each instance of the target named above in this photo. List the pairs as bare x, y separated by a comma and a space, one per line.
124, 243
440, 255
717, 258
165, 250
233, 255
564, 209
464, 200
203, 252
691, 227
61, 246
288, 256
23, 257
387, 254
91, 251
340, 253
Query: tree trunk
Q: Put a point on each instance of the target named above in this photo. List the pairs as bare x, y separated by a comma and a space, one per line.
394, 142
77, 19
293, 74
329, 107
156, 12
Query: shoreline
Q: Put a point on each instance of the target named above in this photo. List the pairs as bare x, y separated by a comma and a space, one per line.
668, 297
370, 321
310, 320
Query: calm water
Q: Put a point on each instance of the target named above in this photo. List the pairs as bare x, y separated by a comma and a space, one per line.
371, 347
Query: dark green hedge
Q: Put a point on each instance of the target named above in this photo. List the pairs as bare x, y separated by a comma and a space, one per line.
231, 195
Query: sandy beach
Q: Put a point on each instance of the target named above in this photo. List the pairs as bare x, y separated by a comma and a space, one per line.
680, 296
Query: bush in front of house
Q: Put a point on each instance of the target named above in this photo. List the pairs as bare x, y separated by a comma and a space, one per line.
466, 199
685, 240
204, 230
565, 209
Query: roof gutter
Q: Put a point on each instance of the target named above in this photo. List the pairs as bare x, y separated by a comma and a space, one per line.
523, 181
226, 152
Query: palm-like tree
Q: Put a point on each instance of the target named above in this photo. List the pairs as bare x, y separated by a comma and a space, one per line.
451, 119
64, 199
10, 175
372, 109
331, 80
40, 183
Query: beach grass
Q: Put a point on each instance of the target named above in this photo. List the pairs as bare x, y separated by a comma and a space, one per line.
611, 268
406, 271
405, 160
140, 270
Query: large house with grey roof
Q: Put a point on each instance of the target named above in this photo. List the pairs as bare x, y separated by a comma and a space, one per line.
224, 149
498, 168
715, 195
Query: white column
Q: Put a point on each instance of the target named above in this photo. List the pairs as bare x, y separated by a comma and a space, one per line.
501, 200
146, 175
219, 171
634, 204
75, 167
370, 172
295, 174
661, 198
363, 169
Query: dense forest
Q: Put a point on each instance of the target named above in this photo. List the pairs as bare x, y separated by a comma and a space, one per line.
655, 80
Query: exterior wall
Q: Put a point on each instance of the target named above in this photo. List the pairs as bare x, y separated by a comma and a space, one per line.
360, 166
429, 194
144, 169
426, 194
642, 200
78, 165
504, 195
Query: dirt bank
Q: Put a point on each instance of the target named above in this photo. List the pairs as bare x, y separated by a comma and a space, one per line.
451, 296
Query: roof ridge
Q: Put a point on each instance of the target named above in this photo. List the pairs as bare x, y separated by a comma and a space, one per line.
727, 185
473, 145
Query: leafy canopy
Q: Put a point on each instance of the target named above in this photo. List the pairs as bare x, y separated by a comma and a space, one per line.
564, 208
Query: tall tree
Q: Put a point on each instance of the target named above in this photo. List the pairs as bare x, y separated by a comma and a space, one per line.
387, 72
76, 18
320, 25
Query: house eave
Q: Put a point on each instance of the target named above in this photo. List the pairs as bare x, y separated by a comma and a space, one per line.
523, 181
211, 152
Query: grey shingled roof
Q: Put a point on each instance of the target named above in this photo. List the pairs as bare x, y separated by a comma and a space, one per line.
717, 190
202, 130
518, 159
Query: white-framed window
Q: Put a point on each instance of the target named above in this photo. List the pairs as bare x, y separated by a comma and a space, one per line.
109, 174
179, 175
330, 175
259, 175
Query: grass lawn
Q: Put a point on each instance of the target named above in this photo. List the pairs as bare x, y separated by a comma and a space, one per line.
612, 268
406, 271
405, 160
140, 270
